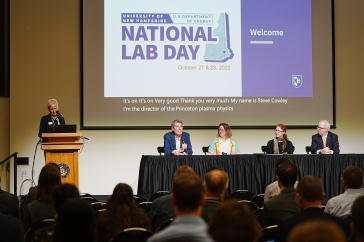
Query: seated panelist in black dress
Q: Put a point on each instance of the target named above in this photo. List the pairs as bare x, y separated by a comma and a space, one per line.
53, 118
280, 144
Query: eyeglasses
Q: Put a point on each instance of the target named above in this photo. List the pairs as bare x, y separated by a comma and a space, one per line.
280, 131
318, 127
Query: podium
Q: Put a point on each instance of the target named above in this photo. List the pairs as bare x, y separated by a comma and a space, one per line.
62, 149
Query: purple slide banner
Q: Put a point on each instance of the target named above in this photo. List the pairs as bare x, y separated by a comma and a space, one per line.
276, 48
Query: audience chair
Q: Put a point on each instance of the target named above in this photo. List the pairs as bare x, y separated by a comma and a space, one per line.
269, 233
97, 213
164, 225
205, 149
145, 206
139, 199
88, 198
132, 235
259, 215
258, 200
160, 150
41, 231
242, 195
264, 149
98, 205
157, 195
308, 149
253, 207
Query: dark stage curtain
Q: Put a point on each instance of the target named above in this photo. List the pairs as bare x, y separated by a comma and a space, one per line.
246, 172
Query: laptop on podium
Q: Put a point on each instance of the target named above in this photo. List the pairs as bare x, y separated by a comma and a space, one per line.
65, 128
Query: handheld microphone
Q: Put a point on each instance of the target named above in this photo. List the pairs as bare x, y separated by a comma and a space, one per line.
59, 114
183, 142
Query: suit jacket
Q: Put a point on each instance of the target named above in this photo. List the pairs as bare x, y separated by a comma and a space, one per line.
286, 225
183, 228
211, 204
10, 204
170, 143
161, 211
11, 229
332, 141
46, 124
289, 147
280, 207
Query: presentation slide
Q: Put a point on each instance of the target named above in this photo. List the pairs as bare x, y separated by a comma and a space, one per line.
249, 63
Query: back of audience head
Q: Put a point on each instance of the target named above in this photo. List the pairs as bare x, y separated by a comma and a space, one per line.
309, 192
187, 194
76, 222
64, 192
216, 183
353, 177
357, 218
49, 179
287, 174
181, 170
281, 161
121, 213
317, 231
122, 195
232, 222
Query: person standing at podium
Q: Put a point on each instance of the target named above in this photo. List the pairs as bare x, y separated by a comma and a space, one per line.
177, 142
53, 118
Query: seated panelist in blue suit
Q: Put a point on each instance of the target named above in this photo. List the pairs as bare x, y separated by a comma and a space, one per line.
324, 142
177, 142
53, 118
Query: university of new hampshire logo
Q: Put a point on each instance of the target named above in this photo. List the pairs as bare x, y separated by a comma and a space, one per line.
297, 81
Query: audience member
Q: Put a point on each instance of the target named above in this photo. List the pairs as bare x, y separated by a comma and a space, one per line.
324, 142
64, 192
233, 222
75, 222
224, 144
162, 210
32, 193
177, 142
310, 195
357, 215
121, 213
280, 144
284, 204
10, 229
273, 189
317, 231
216, 184
42, 207
352, 182
9, 204
187, 200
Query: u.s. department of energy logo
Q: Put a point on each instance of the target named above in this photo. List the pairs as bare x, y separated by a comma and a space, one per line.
65, 170
297, 81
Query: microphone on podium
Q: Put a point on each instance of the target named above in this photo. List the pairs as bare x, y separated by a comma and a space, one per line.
59, 114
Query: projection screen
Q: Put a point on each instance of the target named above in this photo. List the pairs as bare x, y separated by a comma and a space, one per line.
248, 63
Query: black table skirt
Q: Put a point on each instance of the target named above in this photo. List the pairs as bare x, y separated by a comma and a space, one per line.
246, 172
